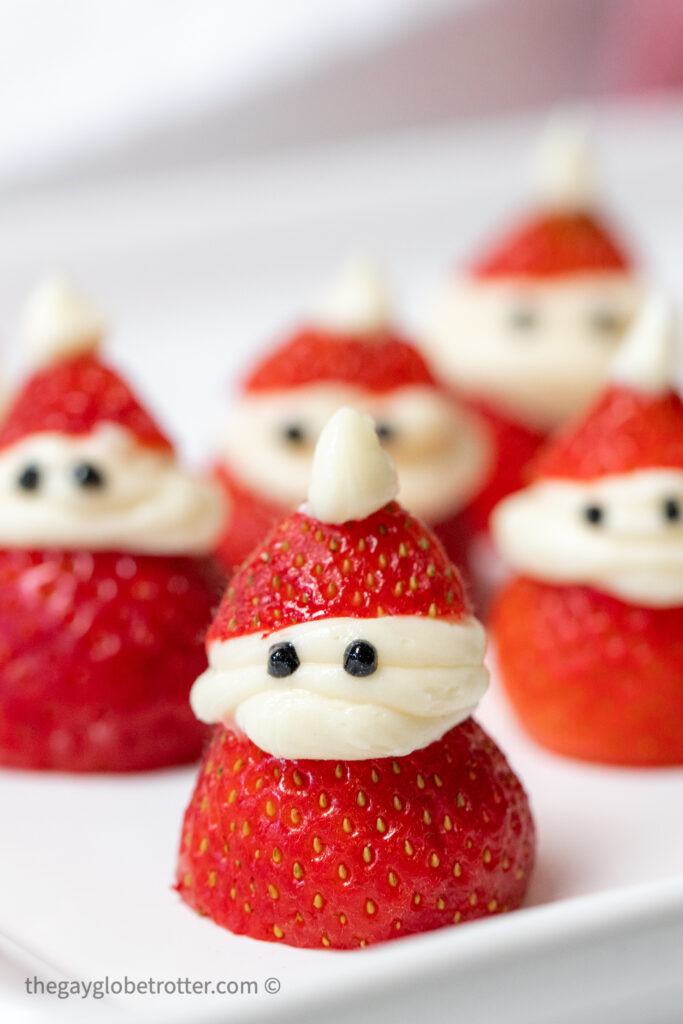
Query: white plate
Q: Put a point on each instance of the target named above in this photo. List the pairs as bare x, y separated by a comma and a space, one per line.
200, 270
87, 865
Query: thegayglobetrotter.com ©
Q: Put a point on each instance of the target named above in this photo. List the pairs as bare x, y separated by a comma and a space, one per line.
100, 988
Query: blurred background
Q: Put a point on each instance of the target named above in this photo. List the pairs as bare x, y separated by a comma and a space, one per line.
200, 167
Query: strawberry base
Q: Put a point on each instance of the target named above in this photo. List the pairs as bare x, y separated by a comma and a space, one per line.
97, 656
344, 854
590, 676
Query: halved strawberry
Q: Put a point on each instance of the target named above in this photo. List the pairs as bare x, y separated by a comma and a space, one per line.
73, 397
97, 655
552, 244
591, 676
343, 854
378, 361
387, 564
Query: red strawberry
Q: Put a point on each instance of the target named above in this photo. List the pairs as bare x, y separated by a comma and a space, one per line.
97, 655
73, 397
336, 852
251, 518
626, 429
553, 244
591, 676
387, 564
343, 854
376, 361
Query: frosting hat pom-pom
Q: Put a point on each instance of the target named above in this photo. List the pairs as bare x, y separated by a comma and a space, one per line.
565, 173
352, 475
58, 323
646, 358
356, 301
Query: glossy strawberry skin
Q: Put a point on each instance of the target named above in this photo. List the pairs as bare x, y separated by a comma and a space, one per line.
251, 518
379, 362
74, 397
624, 431
552, 245
590, 676
97, 656
344, 854
386, 564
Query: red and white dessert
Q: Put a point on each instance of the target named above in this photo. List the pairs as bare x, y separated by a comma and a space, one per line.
528, 330
347, 354
590, 633
106, 587
347, 796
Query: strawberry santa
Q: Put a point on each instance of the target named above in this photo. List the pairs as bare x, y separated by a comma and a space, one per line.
590, 634
528, 330
106, 589
346, 354
347, 796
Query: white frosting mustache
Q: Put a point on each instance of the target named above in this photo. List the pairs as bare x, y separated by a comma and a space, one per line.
147, 504
441, 452
542, 373
430, 677
635, 553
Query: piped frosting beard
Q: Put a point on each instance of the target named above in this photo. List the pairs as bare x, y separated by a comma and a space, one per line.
103, 491
621, 534
442, 453
537, 349
430, 677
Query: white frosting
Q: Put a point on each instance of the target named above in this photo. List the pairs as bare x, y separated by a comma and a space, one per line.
352, 475
58, 323
442, 453
646, 359
356, 301
635, 554
147, 504
430, 677
565, 175
541, 374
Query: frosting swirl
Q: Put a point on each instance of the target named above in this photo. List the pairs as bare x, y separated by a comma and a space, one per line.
103, 491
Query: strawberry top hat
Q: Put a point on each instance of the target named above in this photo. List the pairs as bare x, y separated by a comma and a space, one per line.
346, 586
82, 462
532, 323
605, 505
347, 353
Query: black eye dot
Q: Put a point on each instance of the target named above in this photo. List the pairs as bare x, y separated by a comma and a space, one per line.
87, 475
605, 321
594, 514
385, 432
672, 510
523, 319
29, 479
294, 433
360, 658
282, 660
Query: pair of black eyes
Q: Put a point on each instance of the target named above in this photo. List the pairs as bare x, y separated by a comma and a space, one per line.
360, 659
671, 512
296, 434
85, 475
603, 321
